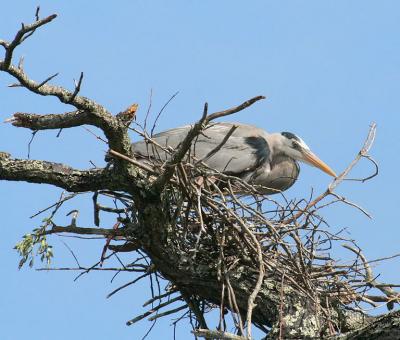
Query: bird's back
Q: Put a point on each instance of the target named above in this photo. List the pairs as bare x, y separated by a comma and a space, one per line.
246, 154
237, 153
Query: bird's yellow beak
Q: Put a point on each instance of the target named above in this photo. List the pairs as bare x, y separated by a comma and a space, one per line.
312, 159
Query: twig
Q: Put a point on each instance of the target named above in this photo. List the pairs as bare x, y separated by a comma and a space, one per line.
159, 297
172, 311
86, 231
233, 110
161, 111
148, 110
281, 316
46, 80
219, 146
77, 87
194, 307
197, 128
30, 143
261, 270
369, 278
362, 153
153, 310
128, 284
133, 161
66, 198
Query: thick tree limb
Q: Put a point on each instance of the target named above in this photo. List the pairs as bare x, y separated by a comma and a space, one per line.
385, 327
51, 121
56, 174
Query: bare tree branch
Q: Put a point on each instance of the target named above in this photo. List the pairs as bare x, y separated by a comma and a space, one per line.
114, 233
235, 109
59, 175
21, 35
114, 129
37, 122
363, 153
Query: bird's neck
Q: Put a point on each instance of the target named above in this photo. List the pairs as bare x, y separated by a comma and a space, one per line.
280, 158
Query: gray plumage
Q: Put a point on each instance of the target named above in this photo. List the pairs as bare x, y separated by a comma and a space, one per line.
250, 153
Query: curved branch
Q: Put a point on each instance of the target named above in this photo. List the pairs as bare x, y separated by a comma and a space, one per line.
362, 153
25, 32
235, 109
92, 113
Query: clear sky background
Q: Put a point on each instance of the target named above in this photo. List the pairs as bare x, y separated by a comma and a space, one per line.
328, 68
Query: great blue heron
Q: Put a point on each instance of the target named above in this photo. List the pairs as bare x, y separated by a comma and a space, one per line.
268, 161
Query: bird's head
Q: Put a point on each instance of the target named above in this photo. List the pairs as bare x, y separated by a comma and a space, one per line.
294, 147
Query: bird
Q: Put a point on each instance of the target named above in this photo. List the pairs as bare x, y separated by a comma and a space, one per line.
268, 161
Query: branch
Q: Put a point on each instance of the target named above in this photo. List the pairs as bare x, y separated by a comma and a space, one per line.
159, 297
362, 153
132, 161
153, 310
194, 307
88, 111
210, 334
22, 34
235, 109
169, 312
87, 231
369, 277
124, 248
181, 152
128, 115
147, 273
57, 174
252, 297
77, 86
65, 96
51, 121
384, 327
219, 146
95, 115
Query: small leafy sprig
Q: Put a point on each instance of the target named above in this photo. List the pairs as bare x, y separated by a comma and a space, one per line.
26, 247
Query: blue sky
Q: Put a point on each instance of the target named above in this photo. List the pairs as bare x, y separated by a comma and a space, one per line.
328, 68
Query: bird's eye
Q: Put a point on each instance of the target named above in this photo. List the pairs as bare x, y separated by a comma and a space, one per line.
295, 145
